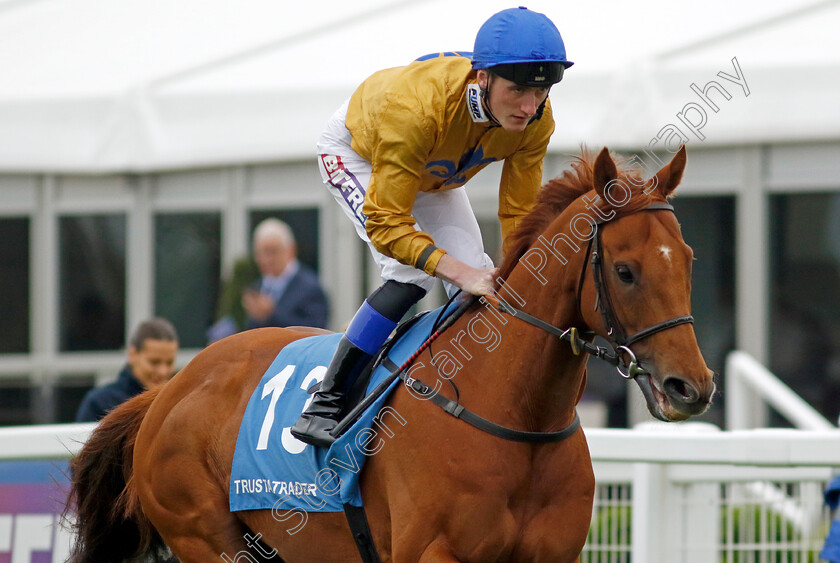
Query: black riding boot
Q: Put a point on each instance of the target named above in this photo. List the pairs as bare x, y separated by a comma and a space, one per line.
368, 330
326, 408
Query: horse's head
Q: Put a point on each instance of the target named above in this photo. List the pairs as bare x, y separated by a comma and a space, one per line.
640, 300
603, 249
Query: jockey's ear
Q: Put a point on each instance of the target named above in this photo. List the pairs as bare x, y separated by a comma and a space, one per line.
482, 79
669, 177
604, 171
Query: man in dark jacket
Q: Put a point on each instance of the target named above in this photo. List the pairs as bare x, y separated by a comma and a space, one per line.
288, 293
151, 361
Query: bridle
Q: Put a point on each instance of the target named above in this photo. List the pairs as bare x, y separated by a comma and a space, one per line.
617, 335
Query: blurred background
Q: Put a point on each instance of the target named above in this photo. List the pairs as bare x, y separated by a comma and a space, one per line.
141, 142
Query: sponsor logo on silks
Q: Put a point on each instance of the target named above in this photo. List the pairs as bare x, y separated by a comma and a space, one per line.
474, 104
457, 175
341, 178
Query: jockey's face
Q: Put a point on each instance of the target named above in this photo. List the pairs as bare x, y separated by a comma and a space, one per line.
154, 363
512, 104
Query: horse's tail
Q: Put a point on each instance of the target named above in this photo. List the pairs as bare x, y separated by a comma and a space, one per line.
109, 522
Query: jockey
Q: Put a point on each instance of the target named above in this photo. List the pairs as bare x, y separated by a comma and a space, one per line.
396, 156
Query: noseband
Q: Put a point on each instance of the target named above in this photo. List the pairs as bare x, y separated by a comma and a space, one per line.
617, 336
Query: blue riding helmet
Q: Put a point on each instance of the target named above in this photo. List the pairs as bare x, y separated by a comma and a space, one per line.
522, 46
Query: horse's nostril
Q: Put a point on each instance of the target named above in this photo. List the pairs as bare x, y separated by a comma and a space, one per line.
678, 389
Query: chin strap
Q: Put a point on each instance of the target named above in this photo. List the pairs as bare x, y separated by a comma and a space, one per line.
485, 100
539, 110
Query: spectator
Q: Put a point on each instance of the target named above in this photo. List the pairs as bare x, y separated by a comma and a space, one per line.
287, 292
151, 361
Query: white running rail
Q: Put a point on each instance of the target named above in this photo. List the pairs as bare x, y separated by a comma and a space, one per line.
665, 493
750, 387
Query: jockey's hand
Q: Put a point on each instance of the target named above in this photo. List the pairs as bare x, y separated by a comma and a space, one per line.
477, 281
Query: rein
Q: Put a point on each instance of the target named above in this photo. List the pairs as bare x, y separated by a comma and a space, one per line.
451, 407
458, 411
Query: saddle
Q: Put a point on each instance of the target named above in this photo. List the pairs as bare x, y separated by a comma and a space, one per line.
358, 390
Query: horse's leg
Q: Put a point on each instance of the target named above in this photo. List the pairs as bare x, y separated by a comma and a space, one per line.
440, 551
207, 531
310, 538
181, 482
210, 532
198, 550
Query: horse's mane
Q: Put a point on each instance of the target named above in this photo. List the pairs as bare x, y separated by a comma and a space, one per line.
558, 194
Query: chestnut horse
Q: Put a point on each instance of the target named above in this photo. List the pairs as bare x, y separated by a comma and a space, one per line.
601, 251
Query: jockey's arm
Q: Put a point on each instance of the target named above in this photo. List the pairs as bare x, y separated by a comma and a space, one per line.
477, 281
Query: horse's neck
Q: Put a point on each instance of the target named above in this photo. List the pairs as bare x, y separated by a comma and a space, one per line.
527, 373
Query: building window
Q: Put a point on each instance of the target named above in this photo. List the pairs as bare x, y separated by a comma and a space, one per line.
14, 285
92, 251
805, 297
708, 227
16, 399
187, 270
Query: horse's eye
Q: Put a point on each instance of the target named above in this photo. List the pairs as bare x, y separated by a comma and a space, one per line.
624, 274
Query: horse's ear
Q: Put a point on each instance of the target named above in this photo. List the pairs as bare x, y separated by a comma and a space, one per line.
604, 171
669, 177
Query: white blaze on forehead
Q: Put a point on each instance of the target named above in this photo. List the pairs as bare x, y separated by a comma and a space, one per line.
666, 252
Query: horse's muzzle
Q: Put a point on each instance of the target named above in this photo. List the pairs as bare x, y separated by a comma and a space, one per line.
676, 398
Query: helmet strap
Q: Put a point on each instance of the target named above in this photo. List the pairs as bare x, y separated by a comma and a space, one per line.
485, 99
540, 109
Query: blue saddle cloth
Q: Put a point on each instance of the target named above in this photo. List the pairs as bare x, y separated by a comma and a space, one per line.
274, 470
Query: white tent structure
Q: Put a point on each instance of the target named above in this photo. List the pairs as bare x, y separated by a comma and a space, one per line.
131, 112
99, 86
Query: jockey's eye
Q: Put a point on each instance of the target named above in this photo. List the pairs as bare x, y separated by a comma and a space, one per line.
624, 273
